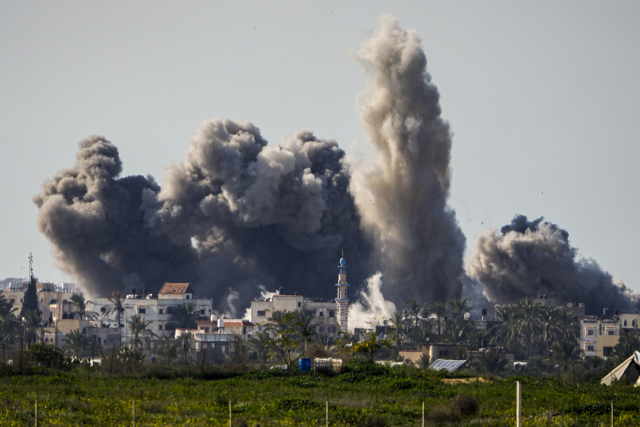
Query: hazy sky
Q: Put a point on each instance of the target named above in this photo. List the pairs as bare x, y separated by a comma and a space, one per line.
543, 99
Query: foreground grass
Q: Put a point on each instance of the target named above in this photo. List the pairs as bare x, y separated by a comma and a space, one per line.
373, 396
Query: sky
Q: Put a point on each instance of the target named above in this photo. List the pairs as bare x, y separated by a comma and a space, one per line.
542, 97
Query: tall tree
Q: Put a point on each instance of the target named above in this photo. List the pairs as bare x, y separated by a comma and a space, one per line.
460, 307
185, 316
285, 337
565, 353
527, 320
138, 328
627, 345
30, 300
439, 310
76, 343
117, 306
415, 308
81, 307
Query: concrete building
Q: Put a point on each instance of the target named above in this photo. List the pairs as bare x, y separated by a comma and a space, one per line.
53, 300
328, 317
101, 336
158, 309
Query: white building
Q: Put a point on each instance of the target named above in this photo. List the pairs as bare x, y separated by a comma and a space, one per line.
157, 309
328, 317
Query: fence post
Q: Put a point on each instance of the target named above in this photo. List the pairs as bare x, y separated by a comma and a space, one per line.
230, 415
36, 411
113, 355
134, 413
422, 414
518, 404
612, 413
327, 413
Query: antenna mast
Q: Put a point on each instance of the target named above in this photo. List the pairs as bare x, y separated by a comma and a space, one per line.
30, 266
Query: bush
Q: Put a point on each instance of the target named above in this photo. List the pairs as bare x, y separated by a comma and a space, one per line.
239, 422
465, 405
441, 416
49, 356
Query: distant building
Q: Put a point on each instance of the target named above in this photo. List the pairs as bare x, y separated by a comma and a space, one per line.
599, 335
328, 317
155, 308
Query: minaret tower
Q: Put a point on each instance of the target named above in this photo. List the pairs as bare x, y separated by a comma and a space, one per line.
342, 301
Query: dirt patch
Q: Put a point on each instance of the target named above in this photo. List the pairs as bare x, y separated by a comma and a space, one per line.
464, 380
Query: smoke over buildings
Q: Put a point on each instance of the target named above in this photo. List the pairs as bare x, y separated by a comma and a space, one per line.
403, 195
530, 258
239, 217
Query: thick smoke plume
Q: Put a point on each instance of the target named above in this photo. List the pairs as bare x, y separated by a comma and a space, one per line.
527, 259
402, 197
236, 214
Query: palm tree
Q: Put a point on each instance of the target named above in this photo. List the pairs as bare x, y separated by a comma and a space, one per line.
527, 320
81, 307
627, 345
439, 310
565, 353
457, 331
138, 328
77, 343
460, 307
31, 320
185, 316
491, 363
414, 310
167, 350
117, 300
555, 324
259, 343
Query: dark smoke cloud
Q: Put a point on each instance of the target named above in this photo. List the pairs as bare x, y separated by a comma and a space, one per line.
403, 196
236, 214
527, 259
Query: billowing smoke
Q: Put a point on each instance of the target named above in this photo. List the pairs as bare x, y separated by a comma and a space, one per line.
403, 195
528, 259
236, 214
372, 308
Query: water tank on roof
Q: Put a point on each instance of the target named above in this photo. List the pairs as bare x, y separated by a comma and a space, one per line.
213, 318
221, 323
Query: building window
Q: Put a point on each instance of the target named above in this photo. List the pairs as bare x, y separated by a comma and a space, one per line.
261, 313
332, 313
591, 347
206, 330
142, 311
171, 310
160, 311
611, 332
187, 296
202, 311
320, 328
299, 304
103, 309
159, 327
607, 351
443, 353
625, 322
320, 314
591, 331
244, 330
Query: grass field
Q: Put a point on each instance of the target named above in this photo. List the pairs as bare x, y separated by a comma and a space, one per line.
362, 395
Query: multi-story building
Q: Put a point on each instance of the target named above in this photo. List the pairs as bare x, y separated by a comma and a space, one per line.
53, 300
155, 308
598, 336
328, 317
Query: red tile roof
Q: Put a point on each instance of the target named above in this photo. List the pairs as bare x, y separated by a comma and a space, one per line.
176, 288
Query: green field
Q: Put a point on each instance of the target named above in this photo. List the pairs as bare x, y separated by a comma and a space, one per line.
361, 395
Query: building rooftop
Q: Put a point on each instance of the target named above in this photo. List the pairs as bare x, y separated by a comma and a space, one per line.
176, 288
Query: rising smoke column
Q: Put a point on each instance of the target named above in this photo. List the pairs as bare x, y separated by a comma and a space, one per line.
402, 197
527, 259
96, 228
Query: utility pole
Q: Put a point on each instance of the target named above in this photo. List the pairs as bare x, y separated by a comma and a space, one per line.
518, 404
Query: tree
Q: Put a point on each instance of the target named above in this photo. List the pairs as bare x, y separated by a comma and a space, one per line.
371, 345
555, 324
185, 316
491, 363
117, 306
138, 328
457, 330
259, 343
627, 345
527, 320
81, 307
414, 310
167, 351
565, 353
9, 324
30, 299
77, 343
285, 338
460, 308
439, 310
30, 323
